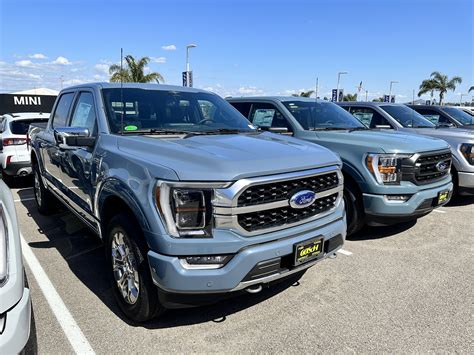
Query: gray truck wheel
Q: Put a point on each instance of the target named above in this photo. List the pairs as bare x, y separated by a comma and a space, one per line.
133, 288
45, 201
354, 208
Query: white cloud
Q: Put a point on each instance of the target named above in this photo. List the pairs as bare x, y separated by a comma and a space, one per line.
24, 63
37, 56
170, 47
160, 60
61, 61
75, 81
250, 90
102, 68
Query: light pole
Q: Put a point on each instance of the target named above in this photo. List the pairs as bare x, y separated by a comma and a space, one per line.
338, 80
366, 94
390, 93
188, 75
460, 100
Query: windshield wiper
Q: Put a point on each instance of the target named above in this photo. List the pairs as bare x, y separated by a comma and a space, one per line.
330, 129
219, 131
154, 131
358, 129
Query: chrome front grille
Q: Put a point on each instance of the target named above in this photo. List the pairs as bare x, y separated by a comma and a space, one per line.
427, 167
283, 190
261, 205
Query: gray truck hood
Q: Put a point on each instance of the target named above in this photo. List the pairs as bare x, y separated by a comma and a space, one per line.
376, 141
444, 133
228, 157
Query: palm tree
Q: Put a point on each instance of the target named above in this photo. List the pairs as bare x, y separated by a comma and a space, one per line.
379, 99
350, 97
304, 93
134, 72
471, 89
439, 82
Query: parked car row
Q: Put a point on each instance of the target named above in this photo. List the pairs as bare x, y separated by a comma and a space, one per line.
197, 198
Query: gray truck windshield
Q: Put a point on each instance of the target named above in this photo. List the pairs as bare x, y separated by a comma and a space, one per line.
170, 110
459, 115
322, 115
407, 117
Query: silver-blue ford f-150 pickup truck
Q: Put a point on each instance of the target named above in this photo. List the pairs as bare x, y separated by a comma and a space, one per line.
189, 198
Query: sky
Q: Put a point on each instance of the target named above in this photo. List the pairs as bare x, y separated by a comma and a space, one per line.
246, 47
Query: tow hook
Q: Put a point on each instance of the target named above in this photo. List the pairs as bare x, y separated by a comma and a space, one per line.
254, 289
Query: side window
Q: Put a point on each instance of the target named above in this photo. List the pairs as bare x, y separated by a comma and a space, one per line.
369, 117
433, 116
243, 107
267, 115
84, 112
62, 110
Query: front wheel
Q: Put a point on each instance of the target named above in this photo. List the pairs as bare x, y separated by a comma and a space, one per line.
45, 201
130, 275
354, 208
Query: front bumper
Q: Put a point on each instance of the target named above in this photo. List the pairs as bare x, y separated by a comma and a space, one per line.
466, 183
22, 168
380, 211
170, 276
17, 324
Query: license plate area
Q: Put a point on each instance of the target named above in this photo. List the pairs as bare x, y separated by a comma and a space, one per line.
308, 250
443, 197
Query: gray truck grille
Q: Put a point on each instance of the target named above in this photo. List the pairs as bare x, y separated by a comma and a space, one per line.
283, 190
427, 167
285, 215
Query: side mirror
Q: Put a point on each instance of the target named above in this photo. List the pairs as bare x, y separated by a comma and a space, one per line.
445, 124
67, 137
281, 130
383, 126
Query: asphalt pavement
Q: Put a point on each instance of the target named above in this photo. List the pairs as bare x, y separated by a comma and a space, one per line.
406, 288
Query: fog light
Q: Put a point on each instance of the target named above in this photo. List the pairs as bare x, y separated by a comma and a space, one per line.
205, 261
399, 198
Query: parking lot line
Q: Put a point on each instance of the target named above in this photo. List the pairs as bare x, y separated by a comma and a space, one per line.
439, 211
344, 252
74, 334
24, 199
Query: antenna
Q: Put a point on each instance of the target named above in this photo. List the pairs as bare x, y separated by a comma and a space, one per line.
121, 90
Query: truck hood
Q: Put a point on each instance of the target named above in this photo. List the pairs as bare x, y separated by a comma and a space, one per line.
228, 157
376, 141
444, 133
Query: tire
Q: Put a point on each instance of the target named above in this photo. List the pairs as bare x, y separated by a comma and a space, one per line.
354, 208
45, 200
127, 262
8, 179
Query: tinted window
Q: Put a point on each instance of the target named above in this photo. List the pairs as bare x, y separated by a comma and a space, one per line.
175, 110
62, 110
432, 116
369, 117
22, 126
266, 115
321, 115
84, 112
242, 107
463, 117
407, 117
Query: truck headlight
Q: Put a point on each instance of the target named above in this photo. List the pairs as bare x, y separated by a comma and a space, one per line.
386, 168
467, 150
186, 208
3, 247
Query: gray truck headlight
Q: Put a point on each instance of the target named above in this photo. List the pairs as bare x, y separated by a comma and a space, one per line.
386, 168
467, 150
186, 208
3, 247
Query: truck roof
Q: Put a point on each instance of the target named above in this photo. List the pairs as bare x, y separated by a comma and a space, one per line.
107, 85
369, 103
274, 98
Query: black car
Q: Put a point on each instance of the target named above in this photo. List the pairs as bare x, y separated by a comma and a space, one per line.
445, 116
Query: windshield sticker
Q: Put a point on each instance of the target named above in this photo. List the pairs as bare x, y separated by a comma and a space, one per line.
131, 128
263, 117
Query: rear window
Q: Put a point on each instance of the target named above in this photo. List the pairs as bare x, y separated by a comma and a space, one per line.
21, 126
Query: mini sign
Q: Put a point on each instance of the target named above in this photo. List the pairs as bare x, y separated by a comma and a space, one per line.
15, 103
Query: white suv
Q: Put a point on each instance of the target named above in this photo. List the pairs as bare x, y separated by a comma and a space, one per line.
14, 154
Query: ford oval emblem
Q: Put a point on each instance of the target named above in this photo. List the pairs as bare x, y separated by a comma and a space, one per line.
302, 199
441, 166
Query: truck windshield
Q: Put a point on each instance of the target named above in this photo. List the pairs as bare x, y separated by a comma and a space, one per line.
463, 117
407, 117
21, 126
160, 110
322, 115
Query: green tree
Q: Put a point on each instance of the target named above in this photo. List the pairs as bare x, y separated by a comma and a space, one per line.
304, 93
439, 82
134, 71
379, 99
350, 97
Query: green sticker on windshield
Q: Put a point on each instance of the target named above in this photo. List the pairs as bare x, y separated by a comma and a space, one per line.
131, 128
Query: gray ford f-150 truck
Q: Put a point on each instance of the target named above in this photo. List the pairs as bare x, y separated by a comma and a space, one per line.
188, 197
388, 177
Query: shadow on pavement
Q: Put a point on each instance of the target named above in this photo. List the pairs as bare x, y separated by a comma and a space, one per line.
368, 233
20, 182
458, 201
84, 253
